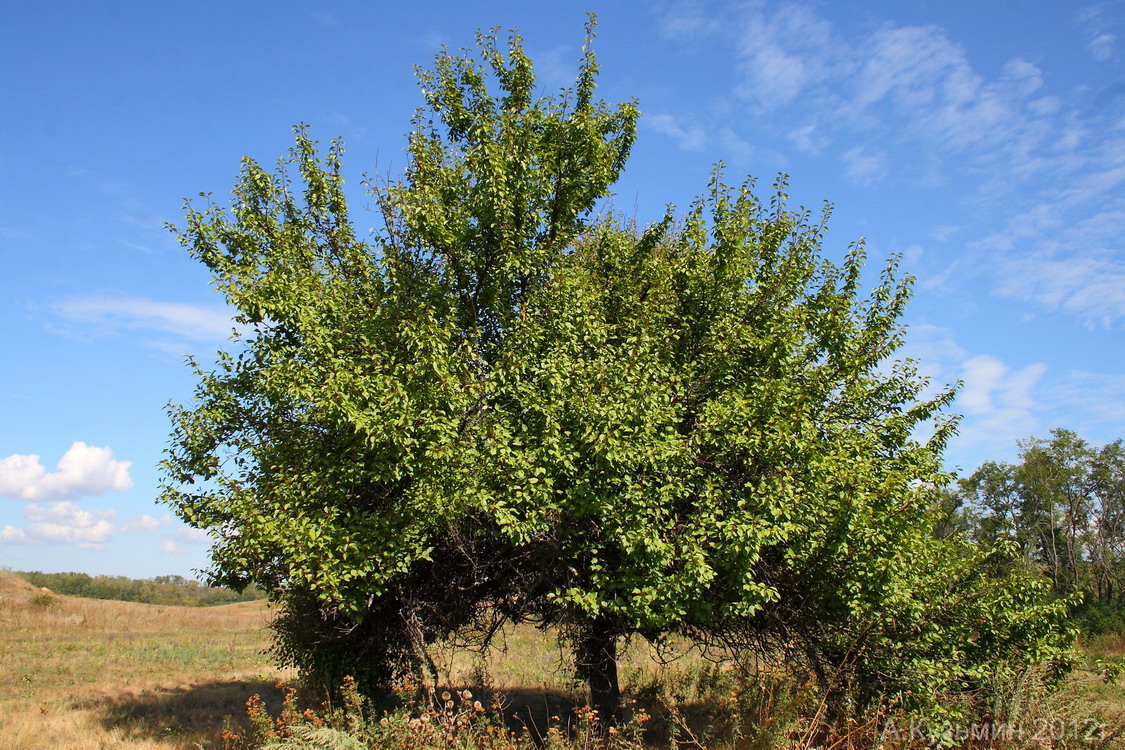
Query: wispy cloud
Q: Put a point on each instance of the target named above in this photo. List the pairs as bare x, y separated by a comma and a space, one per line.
783, 53
808, 139
1045, 166
865, 167
1001, 404
1065, 251
344, 125
1099, 26
688, 137
142, 523
83, 470
1099, 396
681, 19
1101, 46
1090, 285
184, 321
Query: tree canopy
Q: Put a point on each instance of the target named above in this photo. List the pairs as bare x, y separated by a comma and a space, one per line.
503, 407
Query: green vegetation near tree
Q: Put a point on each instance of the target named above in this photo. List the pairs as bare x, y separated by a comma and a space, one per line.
166, 590
1060, 510
503, 407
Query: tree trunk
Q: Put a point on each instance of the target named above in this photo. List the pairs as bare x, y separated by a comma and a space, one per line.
597, 662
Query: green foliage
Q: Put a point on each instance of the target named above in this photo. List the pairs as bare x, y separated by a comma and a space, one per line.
494, 410
1060, 510
165, 590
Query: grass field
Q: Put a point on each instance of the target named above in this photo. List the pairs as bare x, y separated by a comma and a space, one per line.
80, 673
86, 673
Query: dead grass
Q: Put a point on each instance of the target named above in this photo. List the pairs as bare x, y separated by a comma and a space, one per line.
85, 673
80, 674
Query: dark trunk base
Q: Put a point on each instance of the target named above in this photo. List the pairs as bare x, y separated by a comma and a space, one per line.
597, 662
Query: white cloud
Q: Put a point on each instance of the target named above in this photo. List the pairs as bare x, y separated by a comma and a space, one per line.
171, 548
185, 535
83, 470
687, 137
1101, 47
1091, 286
1024, 77
687, 18
865, 167
783, 54
62, 523
807, 139
992, 387
1099, 395
143, 523
908, 83
999, 405
186, 321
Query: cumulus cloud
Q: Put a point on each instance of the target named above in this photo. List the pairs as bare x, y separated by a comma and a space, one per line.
999, 404
184, 321
62, 522
191, 535
171, 548
82, 471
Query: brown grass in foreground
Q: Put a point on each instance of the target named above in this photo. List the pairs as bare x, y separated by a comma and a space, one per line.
80, 674
85, 673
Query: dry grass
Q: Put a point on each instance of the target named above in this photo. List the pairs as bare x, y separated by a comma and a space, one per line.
85, 673
80, 674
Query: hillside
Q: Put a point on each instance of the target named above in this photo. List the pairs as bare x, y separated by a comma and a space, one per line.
164, 590
88, 673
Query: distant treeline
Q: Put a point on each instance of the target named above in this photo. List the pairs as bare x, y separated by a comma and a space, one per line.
1060, 511
170, 590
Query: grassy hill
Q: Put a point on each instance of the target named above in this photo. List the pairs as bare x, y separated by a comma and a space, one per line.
84, 673
171, 589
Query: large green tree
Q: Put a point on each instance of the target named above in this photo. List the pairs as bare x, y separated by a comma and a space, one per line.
496, 409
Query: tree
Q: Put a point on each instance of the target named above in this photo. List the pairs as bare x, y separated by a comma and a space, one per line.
1061, 505
494, 411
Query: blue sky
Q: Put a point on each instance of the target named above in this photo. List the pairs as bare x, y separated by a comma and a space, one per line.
983, 142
